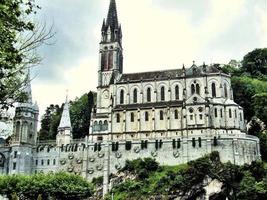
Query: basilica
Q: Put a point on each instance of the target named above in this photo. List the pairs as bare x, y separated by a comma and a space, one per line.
174, 116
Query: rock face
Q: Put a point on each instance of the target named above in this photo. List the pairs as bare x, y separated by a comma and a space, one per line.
214, 187
208, 189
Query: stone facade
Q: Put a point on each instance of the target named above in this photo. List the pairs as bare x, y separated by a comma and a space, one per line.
174, 116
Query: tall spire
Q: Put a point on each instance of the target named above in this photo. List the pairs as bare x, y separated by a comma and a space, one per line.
112, 18
27, 87
65, 117
111, 31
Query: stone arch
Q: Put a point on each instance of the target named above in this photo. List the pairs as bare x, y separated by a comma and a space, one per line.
134, 94
148, 98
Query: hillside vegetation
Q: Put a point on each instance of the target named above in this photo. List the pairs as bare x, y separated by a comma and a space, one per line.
145, 179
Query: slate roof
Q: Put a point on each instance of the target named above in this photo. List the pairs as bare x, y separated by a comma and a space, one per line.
170, 74
166, 74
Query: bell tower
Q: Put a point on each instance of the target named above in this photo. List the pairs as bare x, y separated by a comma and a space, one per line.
110, 54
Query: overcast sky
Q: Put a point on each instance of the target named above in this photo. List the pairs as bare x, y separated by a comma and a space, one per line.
157, 35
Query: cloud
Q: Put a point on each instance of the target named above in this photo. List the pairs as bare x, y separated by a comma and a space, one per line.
157, 34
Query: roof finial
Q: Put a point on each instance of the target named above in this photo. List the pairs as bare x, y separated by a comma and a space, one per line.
67, 94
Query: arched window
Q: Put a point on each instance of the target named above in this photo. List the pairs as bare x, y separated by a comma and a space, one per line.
215, 112
197, 89
146, 116
221, 112
103, 61
105, 125
135, 95
148, 95
122, 97
161, 115
162, 93
132, 117
110, 60
241, 117
193, 90
100, 126
225, 91
175, 114
230, 113
213, 89
95, 127
118, 117
235, 114
17, 130
176, 92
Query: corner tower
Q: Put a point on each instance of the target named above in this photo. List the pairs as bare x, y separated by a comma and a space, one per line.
110, 54
24, 133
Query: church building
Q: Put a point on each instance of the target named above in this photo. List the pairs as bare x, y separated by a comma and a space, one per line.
174, 116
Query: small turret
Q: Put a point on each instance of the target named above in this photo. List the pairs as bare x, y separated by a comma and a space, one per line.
64, 135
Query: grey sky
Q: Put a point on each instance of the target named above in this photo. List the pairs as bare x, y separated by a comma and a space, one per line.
157, 34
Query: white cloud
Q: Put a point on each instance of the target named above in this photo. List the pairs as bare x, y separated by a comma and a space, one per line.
154, 38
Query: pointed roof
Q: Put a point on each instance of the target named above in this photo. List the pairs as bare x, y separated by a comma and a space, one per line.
112, 18
27, 87
65, 117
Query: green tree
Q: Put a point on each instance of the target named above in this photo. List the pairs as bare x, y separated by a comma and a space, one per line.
259, 102
80, 114
19, 38
50, 122
255, 63
60, 186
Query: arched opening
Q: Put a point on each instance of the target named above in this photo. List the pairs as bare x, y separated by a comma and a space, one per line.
213, 89
95, 127
176, 92
225, 91
161, 115
122, 97
197, 89
118, 117
193, 90
215, 112
132, 117
146, 116
110, 60
17, 130
101, 126
148, 95
135, 95
230, 113
162, 93
105, 126
175, 114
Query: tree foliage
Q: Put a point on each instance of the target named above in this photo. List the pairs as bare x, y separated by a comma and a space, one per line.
19, 38
50, 122
61, 186
238, 182
80, 114
255, 63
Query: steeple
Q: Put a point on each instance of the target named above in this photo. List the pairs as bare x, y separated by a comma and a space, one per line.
27, 87
65, 117
64, 135
112, 18
111, 31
